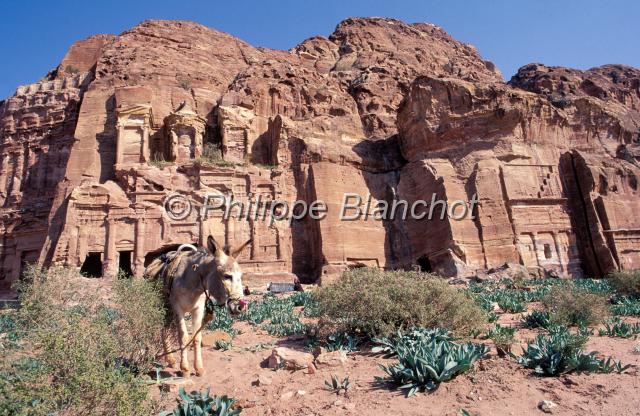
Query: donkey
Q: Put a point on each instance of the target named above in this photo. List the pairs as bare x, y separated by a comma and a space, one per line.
191, 277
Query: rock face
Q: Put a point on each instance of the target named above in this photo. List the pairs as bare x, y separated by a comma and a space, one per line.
397, 111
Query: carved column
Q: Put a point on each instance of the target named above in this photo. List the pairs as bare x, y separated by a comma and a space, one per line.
145, 140
17, 174
119, 144
109, 264
561, 258
77, 245
138, 264
534, 238
3, 178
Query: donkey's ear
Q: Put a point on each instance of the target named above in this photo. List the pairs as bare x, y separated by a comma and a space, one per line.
238, 250
213, 246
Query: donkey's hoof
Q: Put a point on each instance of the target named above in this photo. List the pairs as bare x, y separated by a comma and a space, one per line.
200, 371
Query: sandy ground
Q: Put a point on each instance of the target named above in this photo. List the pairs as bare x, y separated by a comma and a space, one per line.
496, 386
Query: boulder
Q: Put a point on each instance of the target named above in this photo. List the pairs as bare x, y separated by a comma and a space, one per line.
547, 406
331, 359
290, 359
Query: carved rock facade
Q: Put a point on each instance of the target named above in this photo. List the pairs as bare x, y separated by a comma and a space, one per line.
91, 153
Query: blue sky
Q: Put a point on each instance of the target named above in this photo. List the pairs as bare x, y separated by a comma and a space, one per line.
34, 34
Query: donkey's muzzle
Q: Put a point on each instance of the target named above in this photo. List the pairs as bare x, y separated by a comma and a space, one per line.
236, 306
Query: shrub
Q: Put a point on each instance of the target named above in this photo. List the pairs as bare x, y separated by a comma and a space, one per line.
570, 304
424, 365
561, 352
8, 328
78, 353
185, 83
626, 283
373, 302
503, 338
200, 403
212, 155
71, 70
158, 161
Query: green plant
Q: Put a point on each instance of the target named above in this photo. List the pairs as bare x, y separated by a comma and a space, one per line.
411, 339
8, 327
509, 304
561, 352
596, 286
571, 304
222, 345
336, 385
616, 327
342, 341
212, 155
537, 319
626, 283
425, 365
626, 307
81, 351
277, 316
158, 161
201, 403
503, 338
374, 303
184, 82
222, 321
71, 70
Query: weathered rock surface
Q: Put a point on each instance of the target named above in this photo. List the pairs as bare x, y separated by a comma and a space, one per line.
331, 359
283, 357
90, 153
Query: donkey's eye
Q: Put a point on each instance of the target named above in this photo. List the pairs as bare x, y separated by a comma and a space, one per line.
228, 277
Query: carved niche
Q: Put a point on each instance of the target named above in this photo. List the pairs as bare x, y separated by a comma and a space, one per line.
184, 134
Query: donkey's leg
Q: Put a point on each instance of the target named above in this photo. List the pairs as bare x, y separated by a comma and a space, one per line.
197, 317
183, 333
166, 345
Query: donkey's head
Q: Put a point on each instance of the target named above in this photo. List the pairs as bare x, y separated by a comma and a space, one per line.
224, 278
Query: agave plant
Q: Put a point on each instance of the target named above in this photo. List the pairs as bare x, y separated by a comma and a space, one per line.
336, 385
626, 307
537, 319
223, 321
389, 347
601, 287
277, 314
425, 364
616, 327
510, 304
342, 341
561, 352
201, 403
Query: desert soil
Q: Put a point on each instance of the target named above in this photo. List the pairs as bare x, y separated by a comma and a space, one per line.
495, 386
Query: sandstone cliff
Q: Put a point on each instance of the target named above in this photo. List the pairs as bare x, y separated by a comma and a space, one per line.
381, 107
